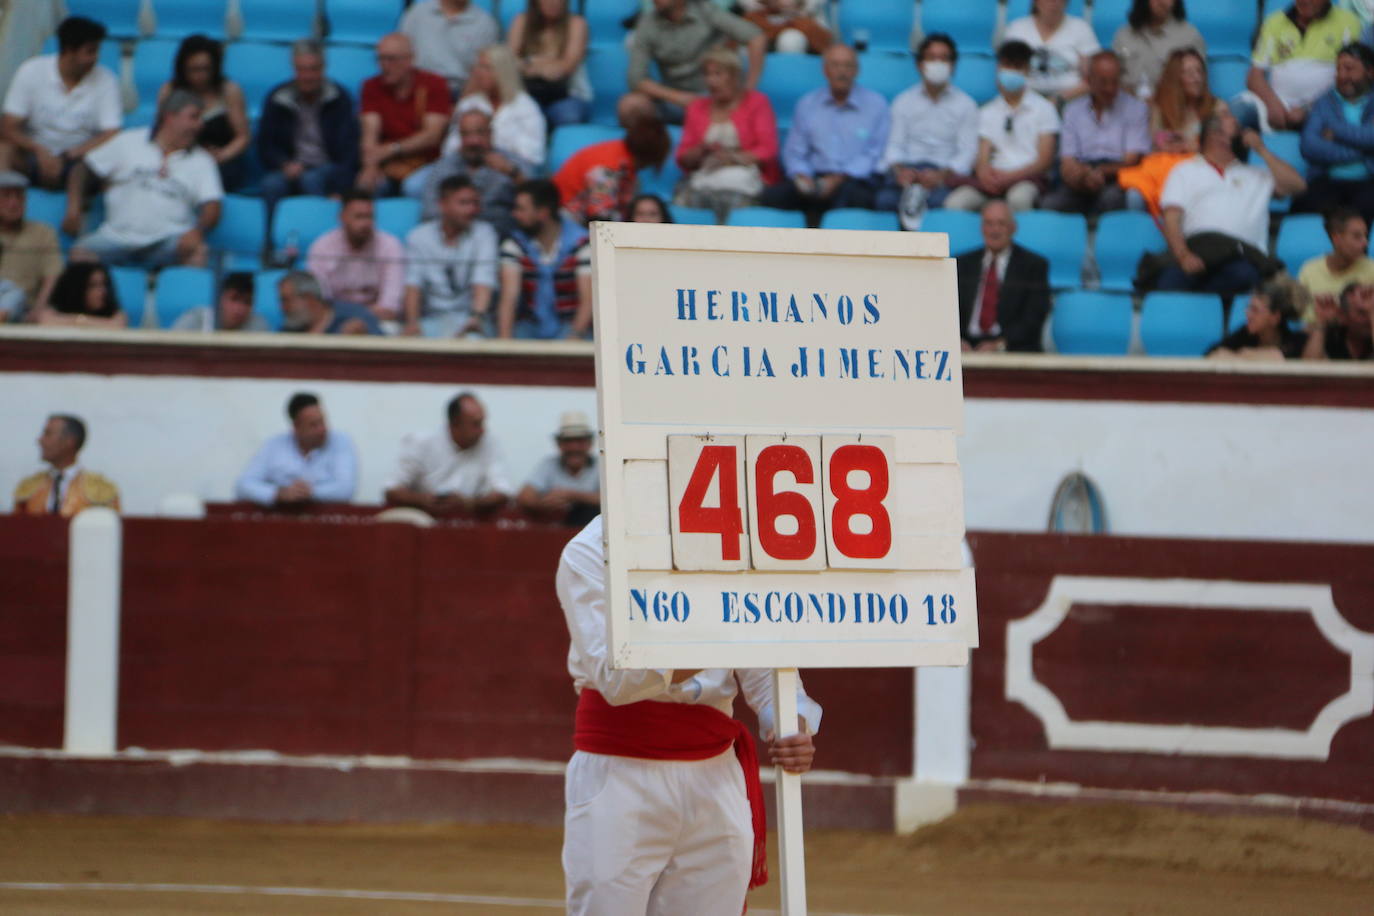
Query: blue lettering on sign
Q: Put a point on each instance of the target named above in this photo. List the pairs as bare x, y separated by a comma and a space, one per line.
662, 606
828, 608
871, 315
739, 306
686, 305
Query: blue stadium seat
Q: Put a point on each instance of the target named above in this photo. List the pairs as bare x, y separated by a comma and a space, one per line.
119, 16
45, 206
152, 67
266, 302
969, 22
131, 289
1237, 315
963, 228
180, 289
766, 217
241, 230
1228, 26
278, 20
397, 215
1018, 8
1107, 17
888, 74
605, 18
854, 218
885, 24
1301, 236
606, 66
788, 77
1179, 324
1287, 145
1061, 238
976, 74
1088, 323
664, 181
1226, 76
570, 138
179, 18
1122, 237
348, 65
361, 21
692, 216
257, 67
301, 220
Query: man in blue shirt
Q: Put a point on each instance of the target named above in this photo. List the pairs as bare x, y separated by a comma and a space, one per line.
1338, 139
837, 139
308, 464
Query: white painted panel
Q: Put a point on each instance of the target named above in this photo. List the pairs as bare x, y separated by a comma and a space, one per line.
706, 506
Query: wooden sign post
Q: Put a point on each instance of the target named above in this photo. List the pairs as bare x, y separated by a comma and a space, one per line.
780, 485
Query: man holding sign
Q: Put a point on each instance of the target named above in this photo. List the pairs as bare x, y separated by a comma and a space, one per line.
664, 807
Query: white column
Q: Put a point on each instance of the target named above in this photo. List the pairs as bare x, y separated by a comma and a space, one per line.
93, 633
791, 846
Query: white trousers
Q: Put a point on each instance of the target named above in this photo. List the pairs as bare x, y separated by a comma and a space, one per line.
656, 837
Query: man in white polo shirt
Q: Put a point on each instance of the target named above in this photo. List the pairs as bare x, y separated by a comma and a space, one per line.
60, 106
1016, 138
163, 192
457, 469
1216, 210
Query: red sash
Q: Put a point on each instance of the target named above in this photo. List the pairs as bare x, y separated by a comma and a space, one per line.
652, 730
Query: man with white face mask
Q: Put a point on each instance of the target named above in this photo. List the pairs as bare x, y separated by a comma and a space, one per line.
934, 136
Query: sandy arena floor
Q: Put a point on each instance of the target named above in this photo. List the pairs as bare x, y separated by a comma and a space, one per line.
989, 859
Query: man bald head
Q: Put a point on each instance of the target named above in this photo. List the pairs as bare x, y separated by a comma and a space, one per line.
396, 59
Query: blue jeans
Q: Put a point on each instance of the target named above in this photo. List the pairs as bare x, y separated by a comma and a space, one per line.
567, 110
275, 185
890, 193
1235, 276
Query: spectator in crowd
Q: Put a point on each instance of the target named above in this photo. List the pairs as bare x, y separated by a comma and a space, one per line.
456, 469
308, 136
64, 488
1154, 30
447, 36
1181, 102
1004, 290
1016, 136
358, 263
1060, 46
1216, 210
517, 125
311, 463
83, 297
450, 266
30, 256
599, 181
224, 131
60, 106
1294, 63
1103, 132
492, 172
1265, 334
566, 487
790, 26
307, 311
934, 137
163, 192
836, 142
1338, 138
405, 111
13, 305
546, 270
1344, 327
1327, 275
233, 311
550, 42
729, 147
675, 35
649, 208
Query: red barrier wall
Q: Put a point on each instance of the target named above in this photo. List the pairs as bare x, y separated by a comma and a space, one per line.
33, 630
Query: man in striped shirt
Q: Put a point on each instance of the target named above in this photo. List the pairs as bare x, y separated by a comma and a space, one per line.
546, 270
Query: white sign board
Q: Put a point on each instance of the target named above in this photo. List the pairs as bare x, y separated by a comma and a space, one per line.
780, 483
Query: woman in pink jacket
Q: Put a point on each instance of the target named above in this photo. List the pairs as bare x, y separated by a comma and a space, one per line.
729, 147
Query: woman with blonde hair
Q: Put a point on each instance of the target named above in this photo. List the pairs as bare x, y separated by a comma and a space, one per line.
551, 44
1179, 105
518, 129
729, 147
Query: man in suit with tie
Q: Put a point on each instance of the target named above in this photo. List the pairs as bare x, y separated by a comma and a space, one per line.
1004, 290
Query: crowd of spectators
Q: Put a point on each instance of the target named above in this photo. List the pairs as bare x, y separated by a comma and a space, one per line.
459, 118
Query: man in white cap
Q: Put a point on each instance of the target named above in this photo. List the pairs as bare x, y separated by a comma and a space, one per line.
566, 486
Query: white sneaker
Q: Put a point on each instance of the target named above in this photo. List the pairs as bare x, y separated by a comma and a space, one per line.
912, 208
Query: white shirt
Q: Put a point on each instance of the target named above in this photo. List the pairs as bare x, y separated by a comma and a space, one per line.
518, 129
943, 130
434, 464
581, 584
151, 196
58, 119
1057, 62
550, 474
974, 329
1236, 203
1032, 118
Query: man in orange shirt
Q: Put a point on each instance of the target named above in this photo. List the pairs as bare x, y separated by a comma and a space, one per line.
65, 488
